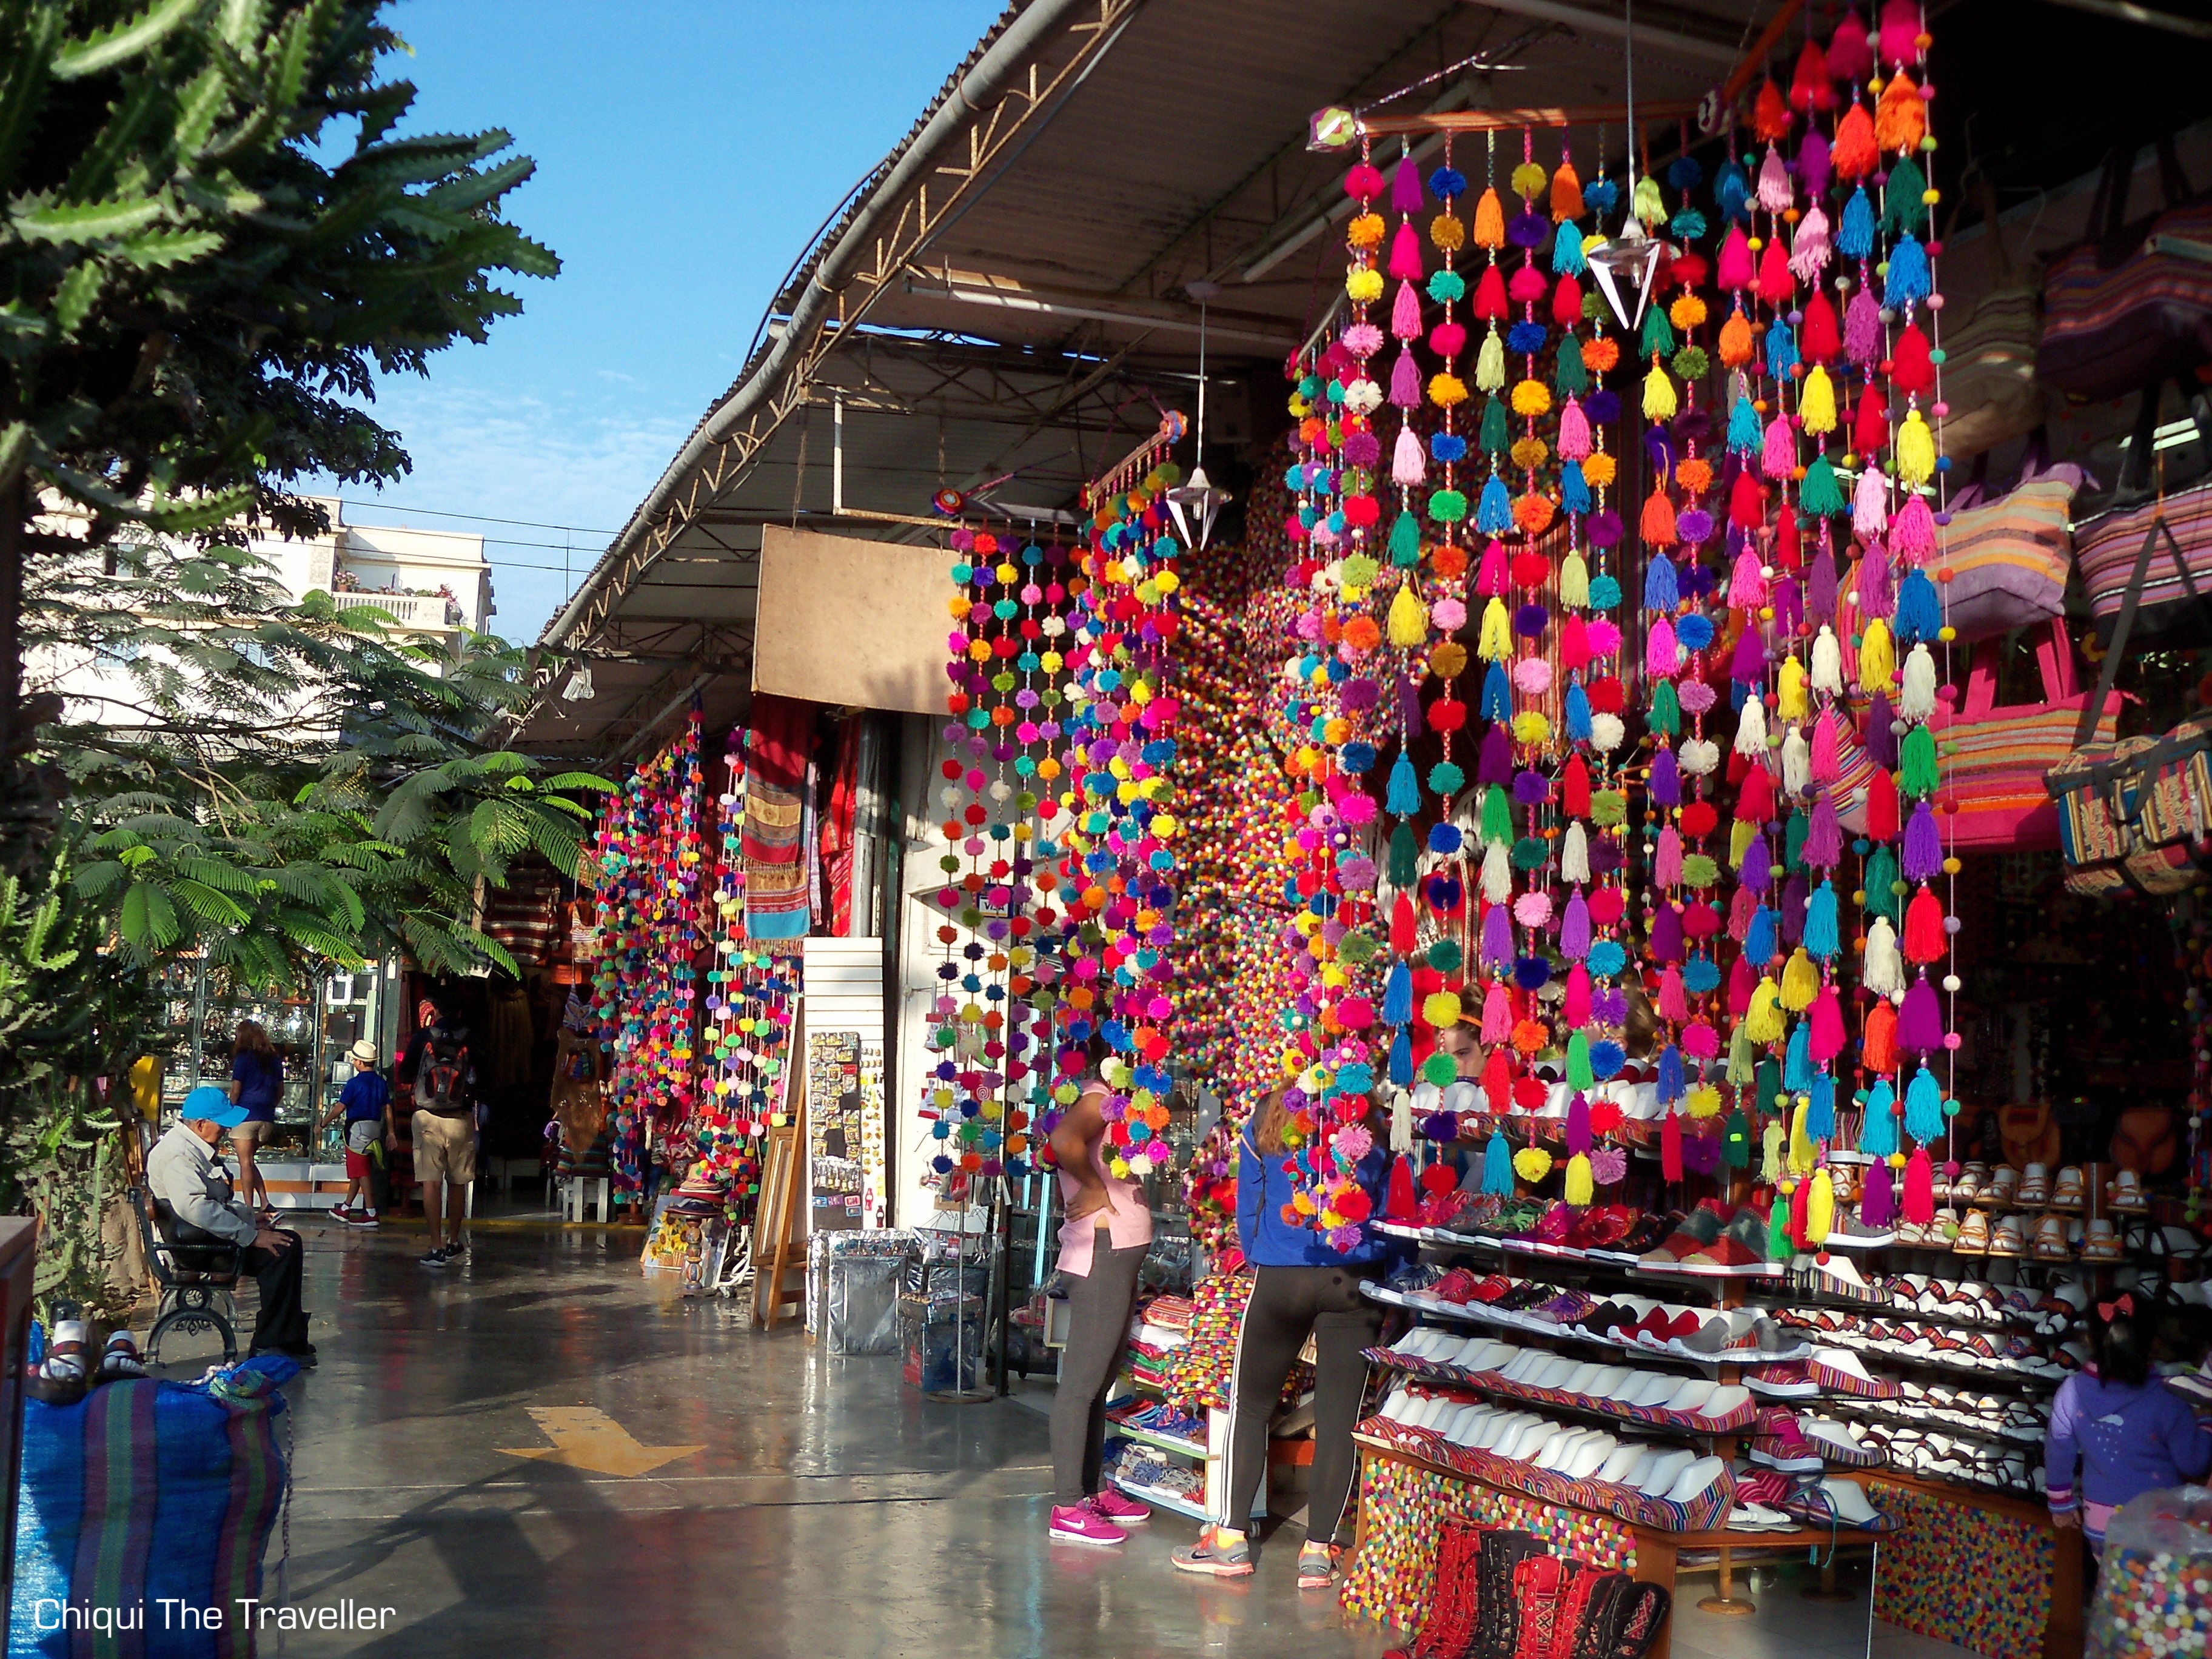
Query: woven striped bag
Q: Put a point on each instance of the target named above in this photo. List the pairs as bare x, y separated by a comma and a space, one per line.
2105, 548
2009, 558
1994, 756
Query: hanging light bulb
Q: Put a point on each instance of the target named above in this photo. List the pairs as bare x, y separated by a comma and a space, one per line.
1195, 503
578, 687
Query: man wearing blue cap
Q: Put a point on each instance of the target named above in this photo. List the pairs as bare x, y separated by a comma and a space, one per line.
183, 1174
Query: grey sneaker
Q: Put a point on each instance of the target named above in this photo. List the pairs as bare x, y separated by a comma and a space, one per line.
436, 1258
1215, 1558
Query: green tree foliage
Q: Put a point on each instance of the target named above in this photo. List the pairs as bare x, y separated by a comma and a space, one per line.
212, 236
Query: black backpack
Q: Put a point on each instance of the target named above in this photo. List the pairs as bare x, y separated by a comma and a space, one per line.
443, 1087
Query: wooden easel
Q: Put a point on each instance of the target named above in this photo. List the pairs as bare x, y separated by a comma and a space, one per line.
776, 1251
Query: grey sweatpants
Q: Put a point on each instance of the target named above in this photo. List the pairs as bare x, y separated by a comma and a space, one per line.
1099, 1307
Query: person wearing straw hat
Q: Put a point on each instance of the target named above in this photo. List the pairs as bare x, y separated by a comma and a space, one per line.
366, 1102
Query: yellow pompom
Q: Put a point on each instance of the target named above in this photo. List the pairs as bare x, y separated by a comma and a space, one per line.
1530, 453
1704, 1101
1441, 1009
1531, 399
1446, 389
1598, 471
1446, 233
1531, 726
1687, 312
1409, 619
1816, 403
1532, 1163
1530, 180
1363, 285
1365, 230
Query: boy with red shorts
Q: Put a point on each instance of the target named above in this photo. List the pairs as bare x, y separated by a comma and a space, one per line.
366, 1102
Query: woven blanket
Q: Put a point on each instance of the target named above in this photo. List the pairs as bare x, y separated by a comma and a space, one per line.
776, 752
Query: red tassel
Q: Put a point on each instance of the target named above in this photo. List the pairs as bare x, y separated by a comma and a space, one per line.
1878, 1048
1923, 926
1574, 789
1870, 429
1497, 1081
1919, 1189
1567, 303
1801, 1198
1754, 802
1670, 1146
1809, 86
1746, 504
1403, 937
1770, 113
1490, 303
1821, 341
1777, 284
1403, 1206
1787, 553
1910, 369
1658, 524
1741, 983
1881, 806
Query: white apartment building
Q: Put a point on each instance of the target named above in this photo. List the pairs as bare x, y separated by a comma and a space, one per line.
430, 583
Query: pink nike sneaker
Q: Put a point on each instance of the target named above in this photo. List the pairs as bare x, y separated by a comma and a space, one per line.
1083, 1524
1121, 1511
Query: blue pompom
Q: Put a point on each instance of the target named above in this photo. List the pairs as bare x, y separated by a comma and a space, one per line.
1687, 223
1493, 514
1820, 940
1448, 446
1447, 182
1660, 592
1531, 973
1605, 593
1355, 756
1694, 632
1525, 338
1356, 1079
1574, 488
1606, 1058
1855, 233
1605, 958
1398, 995
1600, 195
1444, 841
1685, 172
1404, 798
1700, 975
1820, 1114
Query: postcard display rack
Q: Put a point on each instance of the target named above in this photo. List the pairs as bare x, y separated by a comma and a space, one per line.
1945, 1380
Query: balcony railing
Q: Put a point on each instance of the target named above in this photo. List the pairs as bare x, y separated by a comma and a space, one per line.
405, 609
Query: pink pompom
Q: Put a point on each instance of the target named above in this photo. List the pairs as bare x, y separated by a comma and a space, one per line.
1532, 676
1449, 615
1604, 638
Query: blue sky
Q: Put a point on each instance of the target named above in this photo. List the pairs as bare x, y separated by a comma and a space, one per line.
685, 151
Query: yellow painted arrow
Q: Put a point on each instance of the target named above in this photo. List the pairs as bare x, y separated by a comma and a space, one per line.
586, 1438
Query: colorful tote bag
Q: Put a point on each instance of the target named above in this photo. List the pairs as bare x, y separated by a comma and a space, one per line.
1998, 755
2009, 558
2105, 548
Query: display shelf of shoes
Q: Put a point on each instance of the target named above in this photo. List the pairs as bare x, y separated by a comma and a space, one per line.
1211, 1457
1658, 1549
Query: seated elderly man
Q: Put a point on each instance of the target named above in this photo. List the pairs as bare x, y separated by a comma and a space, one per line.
182, 1172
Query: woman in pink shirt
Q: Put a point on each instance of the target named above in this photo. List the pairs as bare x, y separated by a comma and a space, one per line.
1102, 1241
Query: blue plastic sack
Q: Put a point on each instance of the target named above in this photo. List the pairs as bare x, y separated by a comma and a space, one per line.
145, 1509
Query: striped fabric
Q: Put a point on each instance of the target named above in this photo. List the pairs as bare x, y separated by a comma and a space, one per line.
2107, 332
2010, 559
1989, 373
2105, 548
1995, 765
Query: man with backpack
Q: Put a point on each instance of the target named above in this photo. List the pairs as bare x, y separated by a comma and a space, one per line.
446, 1136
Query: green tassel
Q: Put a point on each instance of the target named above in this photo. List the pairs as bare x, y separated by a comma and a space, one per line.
1902, 212
1406, 542
1766, 1082
1496, 437
1665, 715
1736, 1140
1497, 815
1571, 377
1778, 1230
1821, 495
1658, 333
1915, 769
1579, 1075
1403, 854
1882, 899
1793, 840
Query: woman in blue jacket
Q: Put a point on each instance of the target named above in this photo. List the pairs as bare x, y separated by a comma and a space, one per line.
1301, 1287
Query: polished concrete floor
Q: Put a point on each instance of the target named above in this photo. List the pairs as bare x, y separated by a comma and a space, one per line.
716, 1491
